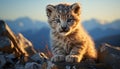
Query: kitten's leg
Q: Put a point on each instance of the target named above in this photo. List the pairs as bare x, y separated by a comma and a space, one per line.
58, 55
76, 54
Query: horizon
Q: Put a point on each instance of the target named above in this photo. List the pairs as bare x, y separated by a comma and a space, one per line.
99, 21
107, 10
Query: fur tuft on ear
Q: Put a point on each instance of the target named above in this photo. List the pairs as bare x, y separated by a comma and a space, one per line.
49, 10
76, 8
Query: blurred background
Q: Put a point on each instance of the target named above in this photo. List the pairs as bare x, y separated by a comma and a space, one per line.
101, 18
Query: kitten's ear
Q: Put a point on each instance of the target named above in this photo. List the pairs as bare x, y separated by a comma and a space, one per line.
76, 8
49, 10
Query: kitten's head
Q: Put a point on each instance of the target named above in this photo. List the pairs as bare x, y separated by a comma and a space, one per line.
63, 18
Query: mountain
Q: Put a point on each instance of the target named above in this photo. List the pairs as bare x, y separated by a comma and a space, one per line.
25, 23
98, 30
91, 24
114, 25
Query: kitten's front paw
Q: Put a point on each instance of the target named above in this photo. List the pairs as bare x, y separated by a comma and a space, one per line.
73, 58
58, 58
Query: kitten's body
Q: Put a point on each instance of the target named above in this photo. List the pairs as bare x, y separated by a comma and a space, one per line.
70, 42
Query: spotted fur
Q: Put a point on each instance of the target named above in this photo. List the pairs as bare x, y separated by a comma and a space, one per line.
70, 42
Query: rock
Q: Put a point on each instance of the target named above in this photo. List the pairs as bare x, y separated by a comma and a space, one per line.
19, 66
1, 53
9, 34
25, 45
9, 58
20, 45
2, 27
39, 57
2, 60
44, 65
33, 65
44, 56
8, 61
51, 65
6, 45
13, 47
109, 55
4, 41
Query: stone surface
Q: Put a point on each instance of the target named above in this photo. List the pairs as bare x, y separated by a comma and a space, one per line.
33, 65
20, 45
2, 26
9, 58
2, 60
19, 66
15, 50
6, 45
4, 41
9, 34
110, 55
25, 45
39, 57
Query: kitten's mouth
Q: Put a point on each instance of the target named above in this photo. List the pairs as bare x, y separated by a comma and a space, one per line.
64, 31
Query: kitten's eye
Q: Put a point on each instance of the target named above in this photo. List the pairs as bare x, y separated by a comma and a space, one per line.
58, 20
69, 20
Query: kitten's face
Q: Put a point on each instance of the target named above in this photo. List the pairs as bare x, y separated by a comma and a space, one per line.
63, 18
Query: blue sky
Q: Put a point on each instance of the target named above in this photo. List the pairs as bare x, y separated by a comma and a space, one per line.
108, 10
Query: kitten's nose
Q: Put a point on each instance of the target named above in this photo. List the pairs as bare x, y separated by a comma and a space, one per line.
64, 27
